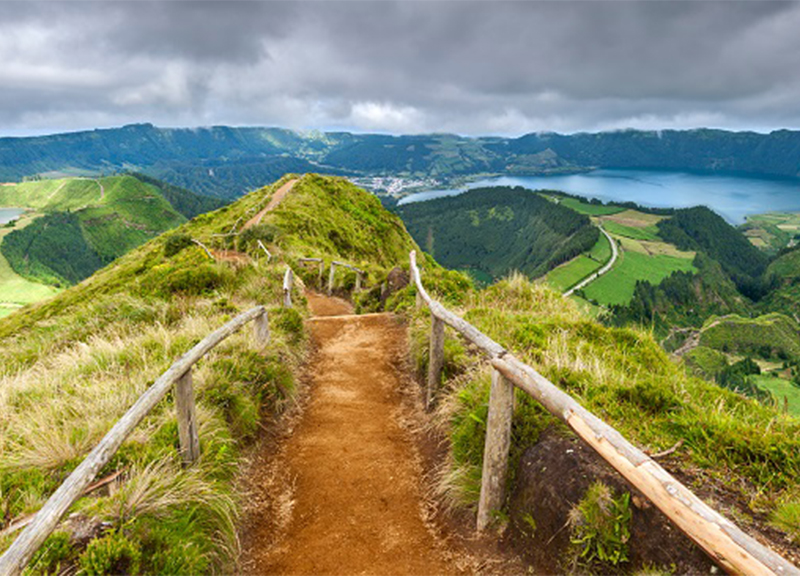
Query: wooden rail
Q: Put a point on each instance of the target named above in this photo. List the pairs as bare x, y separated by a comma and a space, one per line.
321, 263
288, 284
14, 560
332, 277
729, 546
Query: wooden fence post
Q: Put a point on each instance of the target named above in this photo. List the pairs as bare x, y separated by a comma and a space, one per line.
358, 282
187, 419
321, 275
261, 329
331, 278
435, 359
495, 450
288, 282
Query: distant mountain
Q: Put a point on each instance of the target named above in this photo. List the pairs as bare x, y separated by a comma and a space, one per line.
227, 162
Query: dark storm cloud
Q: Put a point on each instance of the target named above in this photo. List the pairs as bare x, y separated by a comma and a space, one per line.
470, 67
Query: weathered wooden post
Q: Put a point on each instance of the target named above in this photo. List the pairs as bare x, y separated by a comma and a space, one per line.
358, 280
267, 252
495, 449
331, 278
288, 281
261, 329
321, 275
435, 359
187, 419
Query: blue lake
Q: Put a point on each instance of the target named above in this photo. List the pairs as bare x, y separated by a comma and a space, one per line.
9, 214
734, 197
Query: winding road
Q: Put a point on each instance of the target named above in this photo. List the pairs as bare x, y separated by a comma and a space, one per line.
595, 275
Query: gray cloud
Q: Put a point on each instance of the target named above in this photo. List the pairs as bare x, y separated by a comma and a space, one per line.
467, 67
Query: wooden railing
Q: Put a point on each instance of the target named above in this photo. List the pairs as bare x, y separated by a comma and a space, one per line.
734, 550
19, 554
332, 277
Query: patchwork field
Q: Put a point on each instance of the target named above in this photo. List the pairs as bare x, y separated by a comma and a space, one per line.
633, 224
773, 230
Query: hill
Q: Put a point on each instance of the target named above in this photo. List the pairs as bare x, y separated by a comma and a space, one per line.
70, 366
494, 231
227, 162
88, 223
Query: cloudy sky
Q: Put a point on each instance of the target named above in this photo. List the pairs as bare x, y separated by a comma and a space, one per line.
489, 67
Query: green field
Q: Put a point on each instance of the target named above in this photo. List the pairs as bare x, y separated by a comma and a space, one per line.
781, 389
647, 233
52, 195
572, 272
590, 209
14, 289
617, 286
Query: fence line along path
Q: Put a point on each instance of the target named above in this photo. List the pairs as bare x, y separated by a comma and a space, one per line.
179, 374
734, 550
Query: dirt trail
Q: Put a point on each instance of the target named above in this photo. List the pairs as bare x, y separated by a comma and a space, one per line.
279, 195
356, 503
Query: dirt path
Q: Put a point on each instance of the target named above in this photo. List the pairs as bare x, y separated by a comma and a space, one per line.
355, 504
279, 195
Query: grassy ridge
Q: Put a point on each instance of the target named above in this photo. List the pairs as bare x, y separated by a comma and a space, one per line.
69, 367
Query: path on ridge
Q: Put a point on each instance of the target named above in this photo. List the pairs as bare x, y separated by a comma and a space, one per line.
356, 499
279, 195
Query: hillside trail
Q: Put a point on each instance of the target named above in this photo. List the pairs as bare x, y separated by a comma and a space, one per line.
349, 480
276, 199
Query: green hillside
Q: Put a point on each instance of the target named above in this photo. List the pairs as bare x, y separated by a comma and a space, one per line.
772, 336
70, 366
498, 230
700, 229
89, 223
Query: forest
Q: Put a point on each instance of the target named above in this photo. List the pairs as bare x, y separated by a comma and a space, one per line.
497, 230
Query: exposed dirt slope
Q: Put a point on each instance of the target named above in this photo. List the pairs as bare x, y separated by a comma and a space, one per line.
355, 505
279, 195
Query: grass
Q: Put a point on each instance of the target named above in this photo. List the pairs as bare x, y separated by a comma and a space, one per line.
570, 273
14, 289
771, 336
589, 209
71, 366
649, 233
623, 376
781, 388
773, 230
617, 286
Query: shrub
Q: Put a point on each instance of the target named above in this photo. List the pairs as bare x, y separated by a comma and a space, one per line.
600, 527
112, 554
176, 243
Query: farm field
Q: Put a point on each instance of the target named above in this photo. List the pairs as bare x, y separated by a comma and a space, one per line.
773, 230
617, 286
572, 272
633, 224
781, 389
584, 207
